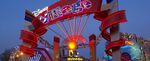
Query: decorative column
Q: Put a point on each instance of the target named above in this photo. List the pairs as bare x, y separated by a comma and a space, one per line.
56, 48
28, 38
92, 44
34, 29
114, 32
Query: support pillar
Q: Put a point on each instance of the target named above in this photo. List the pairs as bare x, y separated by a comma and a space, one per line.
114, 33
92, 44
56, 48
27, 26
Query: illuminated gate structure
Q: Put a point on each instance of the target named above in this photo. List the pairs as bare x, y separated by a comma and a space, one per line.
70, 18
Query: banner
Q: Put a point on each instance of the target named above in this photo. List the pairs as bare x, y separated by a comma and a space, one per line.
67, 9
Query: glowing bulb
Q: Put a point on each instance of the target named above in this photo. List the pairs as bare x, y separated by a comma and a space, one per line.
17, 55
72, 45
21, 53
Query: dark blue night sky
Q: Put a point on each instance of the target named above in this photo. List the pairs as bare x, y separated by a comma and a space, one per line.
12, 20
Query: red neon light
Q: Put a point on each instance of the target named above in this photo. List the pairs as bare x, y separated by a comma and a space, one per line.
113, 45
115, 18
107, 22
40, 28
76, 38
29, 37
26, 50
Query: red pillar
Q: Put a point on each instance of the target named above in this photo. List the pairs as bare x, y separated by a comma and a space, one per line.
56, 48
92, 39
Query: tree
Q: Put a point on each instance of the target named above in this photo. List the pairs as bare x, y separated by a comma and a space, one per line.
5, 55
